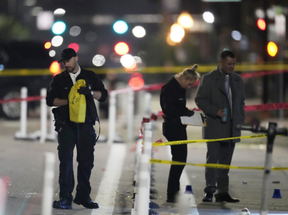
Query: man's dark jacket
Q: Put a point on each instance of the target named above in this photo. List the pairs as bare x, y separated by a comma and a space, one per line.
61, 86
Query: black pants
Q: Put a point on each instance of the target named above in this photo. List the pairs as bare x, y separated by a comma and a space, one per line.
174, 132
83, 136
218, 153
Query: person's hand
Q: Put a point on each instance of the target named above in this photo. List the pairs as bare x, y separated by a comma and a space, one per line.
191, 113
221, 113
85, 90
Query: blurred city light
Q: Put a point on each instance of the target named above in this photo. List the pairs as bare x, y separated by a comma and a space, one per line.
121, 48
261, 24
170, 41
59, 11
74, 46
98, 60
208, 17
30, 3
139, 31
120, 27
272, 49
127, 61
236, 35
136, 81
1, 67
280, 25
44, 20
58, 27
185, 20
271, 13
259, 13
55, 68
35, 11
75, 31
177, 33
52, 53
47, 45
57, 41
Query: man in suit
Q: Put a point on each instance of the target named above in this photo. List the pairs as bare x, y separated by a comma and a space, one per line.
221, 97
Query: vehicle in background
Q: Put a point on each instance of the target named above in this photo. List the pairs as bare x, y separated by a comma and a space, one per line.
22, 64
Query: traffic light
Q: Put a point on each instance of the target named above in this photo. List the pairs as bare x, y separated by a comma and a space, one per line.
261, 24
272, 49
120, 27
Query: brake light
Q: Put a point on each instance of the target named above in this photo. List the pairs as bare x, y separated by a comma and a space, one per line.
55, 68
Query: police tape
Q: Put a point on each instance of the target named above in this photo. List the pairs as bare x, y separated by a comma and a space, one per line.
180, 142
29, 99
218, 166
269, 106
249, 70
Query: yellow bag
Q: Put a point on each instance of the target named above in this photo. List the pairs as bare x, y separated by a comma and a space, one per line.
77, 103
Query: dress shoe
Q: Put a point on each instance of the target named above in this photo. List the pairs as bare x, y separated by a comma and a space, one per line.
87, 203
171, 200
207, 197
225, 197
62, 204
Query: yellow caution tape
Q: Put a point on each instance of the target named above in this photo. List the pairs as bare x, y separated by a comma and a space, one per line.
173, 69
218, 166
179, 142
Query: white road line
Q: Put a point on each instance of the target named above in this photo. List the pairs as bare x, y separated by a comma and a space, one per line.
109, 184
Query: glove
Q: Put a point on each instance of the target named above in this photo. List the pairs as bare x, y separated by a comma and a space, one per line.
85, 90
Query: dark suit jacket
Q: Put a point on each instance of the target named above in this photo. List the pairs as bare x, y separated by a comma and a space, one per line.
211, 96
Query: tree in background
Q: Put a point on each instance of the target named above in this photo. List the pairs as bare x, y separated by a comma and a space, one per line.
12, 29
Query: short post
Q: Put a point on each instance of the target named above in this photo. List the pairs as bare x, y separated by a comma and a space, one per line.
43, 116
144, 173
130, 115
52, 134
23, 114
112, 117
4, 184
271, 133
143, 186
48, 183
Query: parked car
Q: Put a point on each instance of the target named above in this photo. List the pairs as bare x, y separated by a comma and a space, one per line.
22, 64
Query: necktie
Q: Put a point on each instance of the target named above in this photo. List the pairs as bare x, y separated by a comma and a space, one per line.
227, 88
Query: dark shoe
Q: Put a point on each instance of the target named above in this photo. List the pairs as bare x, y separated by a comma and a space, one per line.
207, 197
88, 203
171, 200
62, 204
225, 197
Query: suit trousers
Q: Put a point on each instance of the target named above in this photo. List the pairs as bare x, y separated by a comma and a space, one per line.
218, 153
81, 135
179, 153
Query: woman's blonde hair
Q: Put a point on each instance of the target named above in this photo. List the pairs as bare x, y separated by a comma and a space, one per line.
189, 73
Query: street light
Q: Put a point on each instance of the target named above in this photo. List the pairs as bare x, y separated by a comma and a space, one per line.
185, 20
